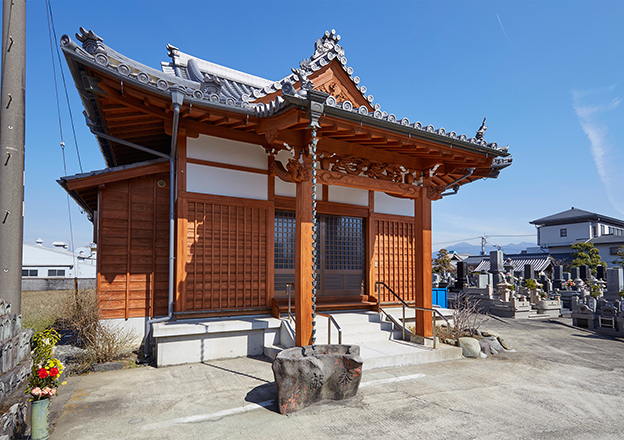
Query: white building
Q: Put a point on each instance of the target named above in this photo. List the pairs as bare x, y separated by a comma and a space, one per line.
558, 232
43, 267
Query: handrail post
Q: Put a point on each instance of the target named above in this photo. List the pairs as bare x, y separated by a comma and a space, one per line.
289, 287
434, 330
404, 323
328, 330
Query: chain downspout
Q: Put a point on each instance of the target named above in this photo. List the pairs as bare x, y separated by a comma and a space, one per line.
315, 236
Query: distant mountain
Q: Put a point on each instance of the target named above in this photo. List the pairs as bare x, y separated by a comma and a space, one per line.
474, 249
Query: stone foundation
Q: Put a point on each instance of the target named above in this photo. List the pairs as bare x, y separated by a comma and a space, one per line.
15, 366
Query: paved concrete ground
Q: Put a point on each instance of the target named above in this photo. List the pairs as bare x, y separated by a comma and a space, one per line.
561, 383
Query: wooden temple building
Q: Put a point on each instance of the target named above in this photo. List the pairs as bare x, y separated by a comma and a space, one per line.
205, 209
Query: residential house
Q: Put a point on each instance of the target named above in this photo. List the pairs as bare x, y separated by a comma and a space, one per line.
558, 232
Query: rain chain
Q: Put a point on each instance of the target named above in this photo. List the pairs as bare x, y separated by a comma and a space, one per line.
315, 237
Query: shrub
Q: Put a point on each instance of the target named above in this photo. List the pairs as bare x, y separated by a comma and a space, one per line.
101, 342
466, 316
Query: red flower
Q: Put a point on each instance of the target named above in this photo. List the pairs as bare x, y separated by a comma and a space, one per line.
42, 373
54, 371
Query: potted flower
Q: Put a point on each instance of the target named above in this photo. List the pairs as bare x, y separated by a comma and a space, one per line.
43, 381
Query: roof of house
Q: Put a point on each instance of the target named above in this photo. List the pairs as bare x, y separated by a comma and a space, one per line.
575, 215
538, 261
608, 239
211, 86
38, 255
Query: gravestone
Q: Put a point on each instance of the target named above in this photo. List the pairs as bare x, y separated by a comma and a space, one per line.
600, 272
584, 272
435, 279
574, 273
567, 276
558, 277
462, 275
615, 283
496, 267
528, 271
482, 280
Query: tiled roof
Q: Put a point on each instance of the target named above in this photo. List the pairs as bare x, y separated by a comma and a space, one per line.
575, 215
205, 82
539, 262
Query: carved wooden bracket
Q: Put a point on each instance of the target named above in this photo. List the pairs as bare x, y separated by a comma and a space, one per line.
349, 180
434, 192
293, 172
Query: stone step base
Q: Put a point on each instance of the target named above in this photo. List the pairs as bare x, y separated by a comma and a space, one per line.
391, 354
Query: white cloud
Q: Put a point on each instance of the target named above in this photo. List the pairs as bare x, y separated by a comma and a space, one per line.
596, 110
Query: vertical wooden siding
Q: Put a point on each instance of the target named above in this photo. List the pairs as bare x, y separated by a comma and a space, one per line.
226, 258
133, 248
394, 249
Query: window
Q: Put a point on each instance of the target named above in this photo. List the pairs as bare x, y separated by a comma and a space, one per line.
30, 272
613, 250
56, 272
594, 231
563, 232
285, 240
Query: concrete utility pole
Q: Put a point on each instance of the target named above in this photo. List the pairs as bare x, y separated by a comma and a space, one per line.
12, 118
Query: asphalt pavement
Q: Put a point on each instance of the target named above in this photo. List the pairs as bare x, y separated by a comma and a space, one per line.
561, 382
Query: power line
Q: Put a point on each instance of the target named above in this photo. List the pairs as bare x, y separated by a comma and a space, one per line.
62, 143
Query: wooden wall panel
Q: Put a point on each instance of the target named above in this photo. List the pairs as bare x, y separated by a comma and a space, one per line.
394, 256
226, 258
133, 245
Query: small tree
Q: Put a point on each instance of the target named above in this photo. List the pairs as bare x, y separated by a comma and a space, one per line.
620, 254
586, 254
442, 263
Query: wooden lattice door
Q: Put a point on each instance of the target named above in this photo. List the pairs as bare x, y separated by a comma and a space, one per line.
394, 257
226, 256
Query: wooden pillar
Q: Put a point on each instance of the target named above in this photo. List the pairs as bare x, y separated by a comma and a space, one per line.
181, 230
422, 213
303, 264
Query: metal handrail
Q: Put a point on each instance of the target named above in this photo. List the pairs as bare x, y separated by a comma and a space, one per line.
424, 309
330, 320
289, 287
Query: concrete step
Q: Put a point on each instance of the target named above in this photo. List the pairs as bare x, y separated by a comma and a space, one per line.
400, 353
271, 351
355, 317
356, 330
393, 353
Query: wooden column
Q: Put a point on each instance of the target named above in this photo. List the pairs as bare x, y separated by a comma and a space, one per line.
181, 231
303, 264
422, 214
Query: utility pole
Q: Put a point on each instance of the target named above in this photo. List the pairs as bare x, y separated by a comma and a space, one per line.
12, 121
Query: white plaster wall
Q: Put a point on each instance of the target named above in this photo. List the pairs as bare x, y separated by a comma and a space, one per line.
225, 182
227, 151
283, 156
550, 235
385, 204
352, 196
286, 189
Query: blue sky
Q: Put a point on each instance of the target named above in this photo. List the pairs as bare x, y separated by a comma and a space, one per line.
548, 76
